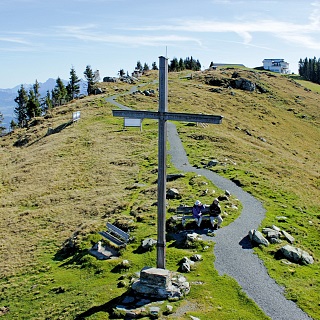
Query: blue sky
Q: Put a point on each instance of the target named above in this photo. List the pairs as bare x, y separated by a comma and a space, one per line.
41, 39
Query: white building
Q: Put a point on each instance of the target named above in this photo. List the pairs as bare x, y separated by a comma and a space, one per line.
276, 65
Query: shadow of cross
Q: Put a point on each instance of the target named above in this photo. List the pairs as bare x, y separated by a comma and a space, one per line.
162, 116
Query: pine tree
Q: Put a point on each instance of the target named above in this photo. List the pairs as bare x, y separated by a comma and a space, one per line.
21, 109
174, 65
121, 73
309, 69
13, 125
300, 69
47, 103
154, 66
73, 87
181, 64
59, 93
318, 71
139, 66
92, 78
2, 128
146, 67
33, 105
197, 66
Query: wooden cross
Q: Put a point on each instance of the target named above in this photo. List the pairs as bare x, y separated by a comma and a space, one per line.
162, 116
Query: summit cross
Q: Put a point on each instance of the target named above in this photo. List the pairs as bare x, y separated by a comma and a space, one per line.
162, 116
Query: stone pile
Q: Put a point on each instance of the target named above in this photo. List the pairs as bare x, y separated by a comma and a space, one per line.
147, 294
275, 235
186, 264
159, 283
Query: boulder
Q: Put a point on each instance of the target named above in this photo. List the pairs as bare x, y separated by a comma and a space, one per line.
192, 237
196, 257
275, 228
295, 255
185, 267
243, 84
289, 237
148, 243
257, 238
223, 197
271, 234
173, 193
212, 163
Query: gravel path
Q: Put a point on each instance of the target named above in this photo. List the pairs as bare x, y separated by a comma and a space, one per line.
234, 254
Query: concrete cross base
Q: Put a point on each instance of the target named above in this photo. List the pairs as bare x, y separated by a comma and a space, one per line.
158, 283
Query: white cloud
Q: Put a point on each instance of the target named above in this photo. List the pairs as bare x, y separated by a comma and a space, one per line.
13, 40
246, 30
87, 33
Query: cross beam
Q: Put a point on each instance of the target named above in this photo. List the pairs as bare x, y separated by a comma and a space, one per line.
189, 117
162, 116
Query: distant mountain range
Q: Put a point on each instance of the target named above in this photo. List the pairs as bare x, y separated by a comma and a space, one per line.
7, 97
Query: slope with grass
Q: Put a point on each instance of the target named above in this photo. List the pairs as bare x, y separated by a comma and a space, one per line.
61, 188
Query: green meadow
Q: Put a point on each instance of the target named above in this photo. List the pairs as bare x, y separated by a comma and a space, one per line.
58, 190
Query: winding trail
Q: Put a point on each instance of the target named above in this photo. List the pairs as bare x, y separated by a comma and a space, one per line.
233, 251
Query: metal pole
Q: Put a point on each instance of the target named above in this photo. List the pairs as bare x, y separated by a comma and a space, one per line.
162, 153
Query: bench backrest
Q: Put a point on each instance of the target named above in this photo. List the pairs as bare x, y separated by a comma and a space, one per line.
115, 230
187, 210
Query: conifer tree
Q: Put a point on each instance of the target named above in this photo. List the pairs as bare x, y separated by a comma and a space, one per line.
73, 87
13, 125
21, 108
154, 66
47, 103
92, 78
181, 64
309, 69
60, 92
174, 65
139, 66
2, 128
33, 105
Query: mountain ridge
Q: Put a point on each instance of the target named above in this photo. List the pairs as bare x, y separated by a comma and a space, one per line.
7, 97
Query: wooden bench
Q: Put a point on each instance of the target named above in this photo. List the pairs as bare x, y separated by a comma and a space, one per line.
117, 236
185, 213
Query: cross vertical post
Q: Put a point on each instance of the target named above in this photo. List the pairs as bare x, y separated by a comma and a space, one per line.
162, 115
162, 153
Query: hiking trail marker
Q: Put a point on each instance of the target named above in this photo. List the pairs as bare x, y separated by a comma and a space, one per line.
162, 116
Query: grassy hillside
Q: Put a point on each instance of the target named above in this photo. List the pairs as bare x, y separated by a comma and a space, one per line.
62, 188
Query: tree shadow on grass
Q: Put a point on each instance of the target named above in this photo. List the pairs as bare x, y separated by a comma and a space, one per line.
24, 140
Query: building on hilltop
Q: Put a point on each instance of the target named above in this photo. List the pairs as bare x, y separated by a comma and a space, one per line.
276, 65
